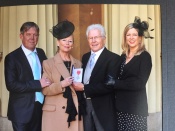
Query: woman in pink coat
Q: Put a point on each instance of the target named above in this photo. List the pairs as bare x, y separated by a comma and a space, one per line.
63, 106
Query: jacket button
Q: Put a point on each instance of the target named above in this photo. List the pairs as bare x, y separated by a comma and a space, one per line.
63, 107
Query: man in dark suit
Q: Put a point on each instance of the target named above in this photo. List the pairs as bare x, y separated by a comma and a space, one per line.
100, 100
25, 107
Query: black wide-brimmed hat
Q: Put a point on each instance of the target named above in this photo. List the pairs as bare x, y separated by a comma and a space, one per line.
63, 29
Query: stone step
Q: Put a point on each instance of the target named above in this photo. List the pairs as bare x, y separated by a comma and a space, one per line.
154, 123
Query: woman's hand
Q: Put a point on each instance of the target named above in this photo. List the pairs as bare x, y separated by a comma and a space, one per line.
67, 82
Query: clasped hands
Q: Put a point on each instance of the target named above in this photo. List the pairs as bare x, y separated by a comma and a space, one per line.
78, 86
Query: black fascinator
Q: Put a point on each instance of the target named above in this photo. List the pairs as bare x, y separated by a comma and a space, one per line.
63, 29
142, 27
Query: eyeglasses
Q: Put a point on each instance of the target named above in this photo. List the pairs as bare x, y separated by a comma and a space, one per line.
94, 38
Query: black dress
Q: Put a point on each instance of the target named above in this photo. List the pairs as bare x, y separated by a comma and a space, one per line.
129, 121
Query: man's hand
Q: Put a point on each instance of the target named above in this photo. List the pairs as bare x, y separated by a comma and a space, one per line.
78, 86
45, 82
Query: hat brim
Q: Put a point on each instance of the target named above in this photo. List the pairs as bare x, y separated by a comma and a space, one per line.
63, 29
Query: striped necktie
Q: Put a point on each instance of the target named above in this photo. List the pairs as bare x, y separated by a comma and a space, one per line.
92, 61
89, 69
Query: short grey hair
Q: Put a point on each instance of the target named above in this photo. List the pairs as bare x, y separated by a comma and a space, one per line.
98, 27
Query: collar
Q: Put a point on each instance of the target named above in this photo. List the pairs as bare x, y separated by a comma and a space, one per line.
97, 53
27, 51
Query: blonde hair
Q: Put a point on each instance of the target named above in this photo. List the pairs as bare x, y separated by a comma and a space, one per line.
125, 46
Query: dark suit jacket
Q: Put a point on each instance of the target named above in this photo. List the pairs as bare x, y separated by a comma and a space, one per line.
131, 88
21, 85
101, 97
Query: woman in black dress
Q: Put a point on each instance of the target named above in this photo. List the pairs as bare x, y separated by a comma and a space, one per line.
130, 84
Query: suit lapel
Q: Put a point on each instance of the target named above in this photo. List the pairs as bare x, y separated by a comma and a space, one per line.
40, 56
23, 58
85, 60
99, 62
